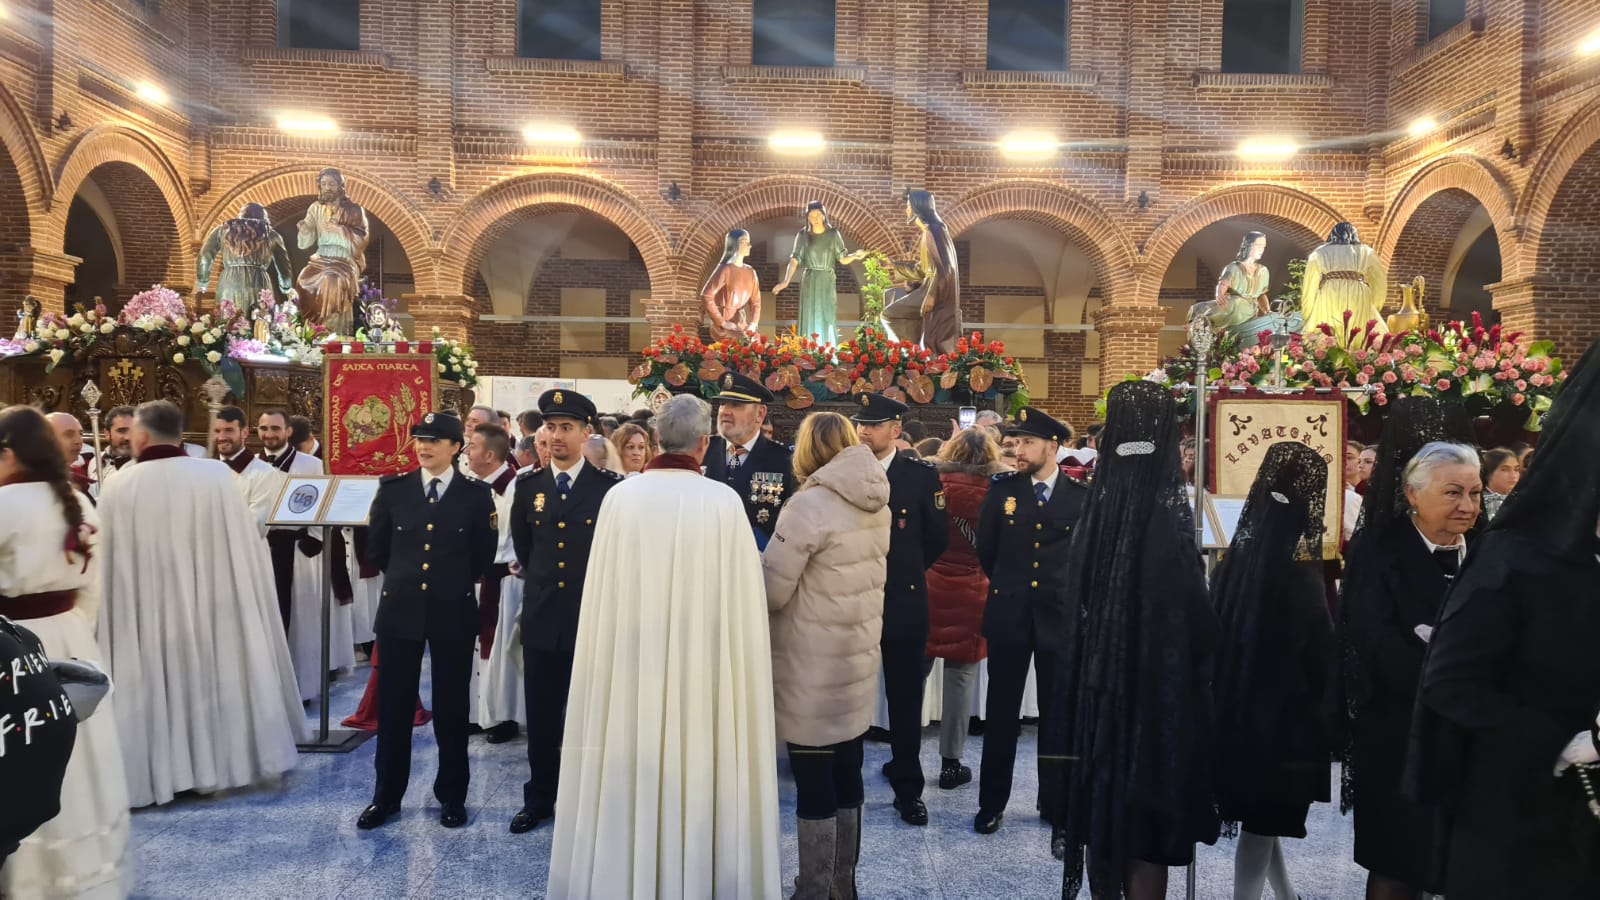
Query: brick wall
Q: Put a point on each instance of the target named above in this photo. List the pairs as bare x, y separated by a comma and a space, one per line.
674, 99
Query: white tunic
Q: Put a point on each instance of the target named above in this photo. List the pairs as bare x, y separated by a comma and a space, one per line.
500, 694
668, 786
305, 616
260, 484
82, 851
190, 628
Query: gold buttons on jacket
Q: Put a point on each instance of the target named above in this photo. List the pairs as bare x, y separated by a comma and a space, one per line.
1033, 584
424, 585
560, 546
430, 526
588, 521
913, 587
425, 566
426, 547
996, 592
561, 584
561, 565
1035, 545
1038, 526
561, 524
1035, 565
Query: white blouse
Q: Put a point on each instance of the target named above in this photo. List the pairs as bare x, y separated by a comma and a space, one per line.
32, 557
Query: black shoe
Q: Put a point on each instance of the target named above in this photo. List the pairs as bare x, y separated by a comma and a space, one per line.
1058, 843
912, 812
526, 820
453, 815
886, 767
880, 735
474, 728
375, 815
952, 777
986, 822
501, 733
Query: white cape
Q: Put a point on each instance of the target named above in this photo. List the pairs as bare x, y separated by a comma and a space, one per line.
189, 625
668, 767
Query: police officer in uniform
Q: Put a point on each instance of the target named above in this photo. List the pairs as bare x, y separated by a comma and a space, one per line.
1024, 526
553, 516
759, 470
919, 532
433, 534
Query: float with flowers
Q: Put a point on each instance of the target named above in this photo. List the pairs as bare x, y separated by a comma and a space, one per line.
805, 371
1490, 371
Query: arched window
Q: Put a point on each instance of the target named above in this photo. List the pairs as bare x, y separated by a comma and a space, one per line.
558, 29
1261, 36
792, 33
1028, 35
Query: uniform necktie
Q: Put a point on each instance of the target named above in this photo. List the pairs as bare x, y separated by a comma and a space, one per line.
736, 457
1040, 491
433, 491
1449, 560
563, 482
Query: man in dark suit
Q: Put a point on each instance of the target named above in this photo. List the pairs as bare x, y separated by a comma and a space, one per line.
760, 471
433, 534
919, 532
1024, 526
553, 517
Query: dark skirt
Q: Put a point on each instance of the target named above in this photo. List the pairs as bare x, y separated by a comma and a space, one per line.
1395, 837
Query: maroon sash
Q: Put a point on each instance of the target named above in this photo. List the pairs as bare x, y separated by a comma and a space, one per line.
38, 606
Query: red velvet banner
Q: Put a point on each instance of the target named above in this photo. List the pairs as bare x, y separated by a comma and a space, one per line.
370, 401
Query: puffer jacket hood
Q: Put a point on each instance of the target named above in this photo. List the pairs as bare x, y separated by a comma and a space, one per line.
856, 476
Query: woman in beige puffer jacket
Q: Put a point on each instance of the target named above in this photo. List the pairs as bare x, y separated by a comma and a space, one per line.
825, 568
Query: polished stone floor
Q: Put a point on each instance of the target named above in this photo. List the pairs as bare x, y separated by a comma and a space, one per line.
299, 839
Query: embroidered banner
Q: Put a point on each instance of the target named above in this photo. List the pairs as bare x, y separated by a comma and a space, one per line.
1243, 429
370, 402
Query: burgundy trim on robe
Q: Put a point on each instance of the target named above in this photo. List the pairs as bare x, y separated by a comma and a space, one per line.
673, 461
162, 451
240, 461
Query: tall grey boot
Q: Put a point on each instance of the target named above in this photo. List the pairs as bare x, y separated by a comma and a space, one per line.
847, 851
817, 841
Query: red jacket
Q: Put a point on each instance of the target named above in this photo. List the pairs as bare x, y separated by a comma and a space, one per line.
957, 587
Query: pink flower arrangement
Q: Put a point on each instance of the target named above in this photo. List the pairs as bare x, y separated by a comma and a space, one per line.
159, 302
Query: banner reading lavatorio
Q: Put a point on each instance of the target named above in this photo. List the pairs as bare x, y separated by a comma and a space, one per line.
1242, 430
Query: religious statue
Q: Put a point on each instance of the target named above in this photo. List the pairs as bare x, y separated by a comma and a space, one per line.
1343, 275
930, 313
28, 318
254, 259
261, 323
732, 297
337, 228
1411, 315
377, 318
818, 248
1241, 307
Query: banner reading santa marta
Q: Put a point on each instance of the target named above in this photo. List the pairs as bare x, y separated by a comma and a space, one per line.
1242, 430
370, 402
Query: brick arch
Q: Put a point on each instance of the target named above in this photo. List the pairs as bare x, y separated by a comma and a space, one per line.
1570, 145
32, 171
141, 165
1060, 209
489, 214
1457, 176
1284, 206
274, 187
756, 200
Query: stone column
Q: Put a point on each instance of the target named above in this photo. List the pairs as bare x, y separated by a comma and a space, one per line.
682, 305
41, 273
450, 313
1548, 309
1064, 356
1129, 340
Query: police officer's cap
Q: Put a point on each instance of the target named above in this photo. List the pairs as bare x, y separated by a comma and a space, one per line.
736, 388
876, 408
555, 404
1036, 423
440, 427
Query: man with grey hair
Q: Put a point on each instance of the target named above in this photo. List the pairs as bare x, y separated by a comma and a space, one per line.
669, 716
206, 696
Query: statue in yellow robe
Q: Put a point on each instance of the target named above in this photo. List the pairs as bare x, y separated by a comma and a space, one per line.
1343, 275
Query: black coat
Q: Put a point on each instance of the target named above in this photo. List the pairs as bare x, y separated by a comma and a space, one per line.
1390, 588
773, 463
1022, 547
431, 556
1514, 668
919, 532
552, 537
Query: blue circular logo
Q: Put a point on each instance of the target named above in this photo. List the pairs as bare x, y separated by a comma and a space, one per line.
303, 498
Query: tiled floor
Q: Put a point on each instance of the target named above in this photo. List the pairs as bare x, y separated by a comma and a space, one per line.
298, 839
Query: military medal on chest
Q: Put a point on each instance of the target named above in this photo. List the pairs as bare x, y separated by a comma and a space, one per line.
538, 503
1011, 506
766, 488
763, 516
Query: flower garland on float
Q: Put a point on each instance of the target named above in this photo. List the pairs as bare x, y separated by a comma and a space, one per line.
803, 371
1482, 368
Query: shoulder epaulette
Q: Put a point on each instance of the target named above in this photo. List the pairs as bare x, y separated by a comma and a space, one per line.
922, 462
1077, 481
388, 479
529, 473
614, 476
1003, 476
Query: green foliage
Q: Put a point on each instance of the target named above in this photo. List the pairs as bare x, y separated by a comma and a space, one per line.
879, 273
1290, 294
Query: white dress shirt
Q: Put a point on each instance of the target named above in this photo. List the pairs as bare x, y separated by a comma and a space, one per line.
444, 480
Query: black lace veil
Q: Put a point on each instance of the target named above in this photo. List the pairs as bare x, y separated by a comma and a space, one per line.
1129, 566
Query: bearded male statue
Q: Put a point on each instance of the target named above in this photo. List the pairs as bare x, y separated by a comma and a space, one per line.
337, 228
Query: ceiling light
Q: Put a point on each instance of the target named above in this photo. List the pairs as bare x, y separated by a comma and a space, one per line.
1029, 143
151, 93
301, 123
1422, 126
551, 134
1590, 45
796, 142
1267, 149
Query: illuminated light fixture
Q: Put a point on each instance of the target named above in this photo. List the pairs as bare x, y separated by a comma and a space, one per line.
796, 142
1266, 149
300, 123
151, 93
1422, 126
1029, 143
1590, 45
551, 134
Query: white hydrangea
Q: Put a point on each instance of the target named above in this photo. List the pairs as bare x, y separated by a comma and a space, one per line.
441, 368
76, 320
107, 327
196, 328
62, 334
